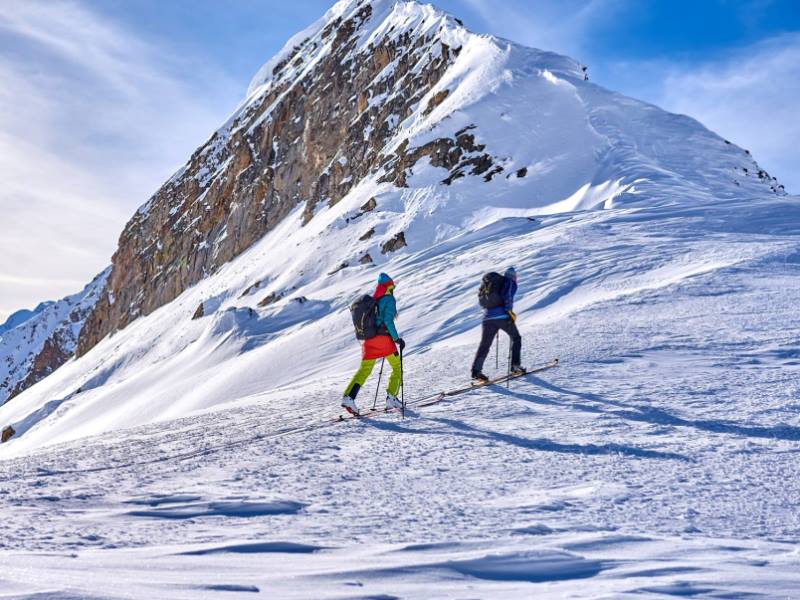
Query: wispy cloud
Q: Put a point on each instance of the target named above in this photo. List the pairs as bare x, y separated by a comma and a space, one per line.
92, 119
749, 97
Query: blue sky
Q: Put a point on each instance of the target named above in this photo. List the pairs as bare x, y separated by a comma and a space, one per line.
103, 99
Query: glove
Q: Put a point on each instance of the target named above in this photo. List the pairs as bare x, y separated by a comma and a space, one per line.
513, 316
400, 342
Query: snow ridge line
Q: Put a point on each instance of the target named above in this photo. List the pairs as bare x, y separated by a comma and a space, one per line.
424, 401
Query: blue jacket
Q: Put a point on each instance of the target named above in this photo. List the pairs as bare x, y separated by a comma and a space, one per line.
501, 312
387, 311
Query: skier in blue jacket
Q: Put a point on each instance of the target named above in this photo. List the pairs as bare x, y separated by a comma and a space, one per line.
500, 318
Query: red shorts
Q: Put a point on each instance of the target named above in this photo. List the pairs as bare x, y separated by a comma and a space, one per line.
378, 347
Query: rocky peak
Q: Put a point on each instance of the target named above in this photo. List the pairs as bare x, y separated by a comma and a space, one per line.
319, 117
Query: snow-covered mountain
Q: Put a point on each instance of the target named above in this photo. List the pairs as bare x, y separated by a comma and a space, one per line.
384, 131
655, 258
35, 343
20, 316
384, 95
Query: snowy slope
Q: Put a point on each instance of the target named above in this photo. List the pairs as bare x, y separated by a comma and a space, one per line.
657, 260
35, 343
659, 459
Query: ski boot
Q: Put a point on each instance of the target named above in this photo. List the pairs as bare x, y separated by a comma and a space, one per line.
479, 378
393, 402
349, 404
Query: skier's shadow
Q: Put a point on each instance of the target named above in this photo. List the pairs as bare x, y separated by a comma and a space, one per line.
546, 445
541, 444
650, 414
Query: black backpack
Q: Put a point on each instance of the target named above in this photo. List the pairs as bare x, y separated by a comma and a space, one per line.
364, 312
490, 294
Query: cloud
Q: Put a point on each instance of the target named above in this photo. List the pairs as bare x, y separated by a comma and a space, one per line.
750, 98
93, 118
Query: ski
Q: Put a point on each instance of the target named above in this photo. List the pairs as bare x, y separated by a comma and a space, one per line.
430, 401
503, 379
436, 398
349, 416
370, 412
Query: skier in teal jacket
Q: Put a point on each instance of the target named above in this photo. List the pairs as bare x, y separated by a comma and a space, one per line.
383, 345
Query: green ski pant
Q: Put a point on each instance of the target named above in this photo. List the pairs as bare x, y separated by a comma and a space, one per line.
360, 378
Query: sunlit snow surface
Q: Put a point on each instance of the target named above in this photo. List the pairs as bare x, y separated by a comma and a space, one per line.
660, 459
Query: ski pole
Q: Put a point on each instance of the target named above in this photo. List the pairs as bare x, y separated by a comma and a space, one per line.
508, 381
377, 389
497, 350
402, 388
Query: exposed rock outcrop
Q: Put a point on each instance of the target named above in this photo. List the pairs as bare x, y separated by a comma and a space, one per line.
270, 299
341, 267
369, 205
199, 313
394, 244
461, 156
437, 99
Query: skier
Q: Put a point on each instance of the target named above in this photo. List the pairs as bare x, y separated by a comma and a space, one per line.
383, 345
496, 296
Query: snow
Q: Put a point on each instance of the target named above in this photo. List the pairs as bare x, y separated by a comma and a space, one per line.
199, 458
659, 456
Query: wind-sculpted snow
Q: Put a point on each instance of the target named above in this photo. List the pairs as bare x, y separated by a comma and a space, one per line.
659, 457
224, 509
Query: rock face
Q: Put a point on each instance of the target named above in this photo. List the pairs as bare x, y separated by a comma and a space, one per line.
43, 342
306, 135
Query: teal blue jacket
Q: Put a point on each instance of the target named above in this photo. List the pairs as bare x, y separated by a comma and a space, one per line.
387, 311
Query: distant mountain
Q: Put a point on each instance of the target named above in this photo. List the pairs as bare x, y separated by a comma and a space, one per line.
35, 343
19, 317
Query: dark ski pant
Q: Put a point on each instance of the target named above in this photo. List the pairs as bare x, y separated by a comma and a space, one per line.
490, 329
